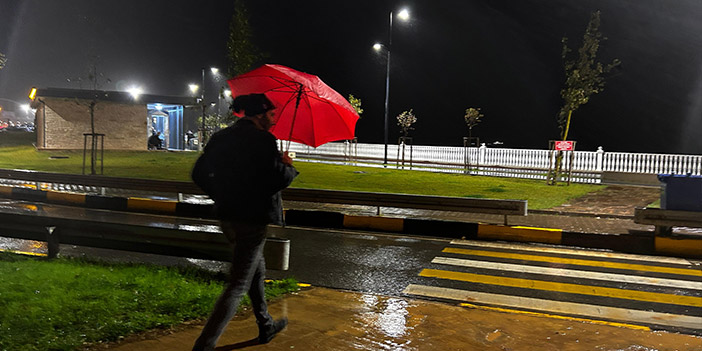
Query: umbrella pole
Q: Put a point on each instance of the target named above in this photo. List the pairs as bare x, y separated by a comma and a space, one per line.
300, 90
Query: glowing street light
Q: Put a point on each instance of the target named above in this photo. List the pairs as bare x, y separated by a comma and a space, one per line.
403, 15
135, 92
193, 88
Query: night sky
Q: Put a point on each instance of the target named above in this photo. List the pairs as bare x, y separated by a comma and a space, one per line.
500, 55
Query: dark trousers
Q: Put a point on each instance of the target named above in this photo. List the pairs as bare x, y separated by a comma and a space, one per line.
247, 274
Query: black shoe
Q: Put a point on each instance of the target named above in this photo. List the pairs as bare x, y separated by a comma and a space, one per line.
266, 333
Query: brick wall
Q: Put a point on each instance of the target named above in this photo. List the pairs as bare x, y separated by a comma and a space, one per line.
62, 122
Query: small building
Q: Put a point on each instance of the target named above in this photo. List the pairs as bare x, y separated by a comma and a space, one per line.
63, 117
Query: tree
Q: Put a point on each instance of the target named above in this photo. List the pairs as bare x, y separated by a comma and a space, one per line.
584, 76
242, 54
356, 103
215, 121
472, 118
405, 120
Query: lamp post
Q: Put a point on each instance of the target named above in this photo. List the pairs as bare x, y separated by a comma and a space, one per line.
403, 15
215, 71
201, 144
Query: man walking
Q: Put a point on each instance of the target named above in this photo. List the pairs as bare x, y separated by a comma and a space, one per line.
243, 172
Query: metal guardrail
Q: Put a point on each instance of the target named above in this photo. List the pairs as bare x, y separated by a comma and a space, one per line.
165, 186
665, 220
438, 203
152, 238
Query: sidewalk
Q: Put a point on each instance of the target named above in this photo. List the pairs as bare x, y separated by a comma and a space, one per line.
610, 211
602, 220
324, 319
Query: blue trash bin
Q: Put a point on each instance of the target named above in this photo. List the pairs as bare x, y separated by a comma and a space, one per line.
681, 192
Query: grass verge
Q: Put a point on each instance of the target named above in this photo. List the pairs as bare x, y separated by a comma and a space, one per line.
66, 303
18, 153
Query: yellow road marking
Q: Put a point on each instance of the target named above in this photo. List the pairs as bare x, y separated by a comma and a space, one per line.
151, 205
685, 247
518, 233
65, 197
578, 262
565, 287
26, 253
382, 223
537, 314
5, 190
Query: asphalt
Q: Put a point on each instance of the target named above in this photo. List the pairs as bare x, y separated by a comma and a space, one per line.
603, 220
325, 319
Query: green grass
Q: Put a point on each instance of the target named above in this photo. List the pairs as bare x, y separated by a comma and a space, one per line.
64, 303
539, 195
19, 154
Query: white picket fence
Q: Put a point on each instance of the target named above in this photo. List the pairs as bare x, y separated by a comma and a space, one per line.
587, 166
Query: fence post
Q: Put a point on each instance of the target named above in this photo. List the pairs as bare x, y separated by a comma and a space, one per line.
600, 158
52, 242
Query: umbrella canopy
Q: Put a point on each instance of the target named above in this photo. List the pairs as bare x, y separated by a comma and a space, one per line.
309, 111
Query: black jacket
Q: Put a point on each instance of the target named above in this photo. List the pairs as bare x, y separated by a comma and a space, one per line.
247, 174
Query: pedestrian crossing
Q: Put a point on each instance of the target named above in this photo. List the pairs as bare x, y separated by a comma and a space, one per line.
659, 292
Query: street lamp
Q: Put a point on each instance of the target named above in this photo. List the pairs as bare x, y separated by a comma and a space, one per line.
135, 92
403, 15
214, 71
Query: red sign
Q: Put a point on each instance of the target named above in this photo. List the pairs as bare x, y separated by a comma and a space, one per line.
564, 146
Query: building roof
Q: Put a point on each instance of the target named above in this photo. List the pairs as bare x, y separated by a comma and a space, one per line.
114, 96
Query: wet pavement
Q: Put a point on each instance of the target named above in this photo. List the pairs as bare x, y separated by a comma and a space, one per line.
326, 319
380, 315
608, 211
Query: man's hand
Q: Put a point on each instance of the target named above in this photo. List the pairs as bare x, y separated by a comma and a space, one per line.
286, 159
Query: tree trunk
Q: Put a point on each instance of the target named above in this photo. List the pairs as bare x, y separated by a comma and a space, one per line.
553, 178
565, 132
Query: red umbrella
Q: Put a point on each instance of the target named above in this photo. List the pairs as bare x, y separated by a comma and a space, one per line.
309, 111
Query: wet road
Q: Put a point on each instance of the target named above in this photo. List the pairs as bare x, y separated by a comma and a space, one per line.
664, 293
659, 292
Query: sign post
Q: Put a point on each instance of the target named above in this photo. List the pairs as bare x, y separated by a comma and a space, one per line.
560, 151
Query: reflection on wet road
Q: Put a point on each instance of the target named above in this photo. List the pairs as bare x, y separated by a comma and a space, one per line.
613, 288
639, 290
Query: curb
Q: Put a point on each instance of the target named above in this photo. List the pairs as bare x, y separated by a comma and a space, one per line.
638, 242
129, 204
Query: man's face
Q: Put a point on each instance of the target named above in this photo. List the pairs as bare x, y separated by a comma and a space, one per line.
268, 119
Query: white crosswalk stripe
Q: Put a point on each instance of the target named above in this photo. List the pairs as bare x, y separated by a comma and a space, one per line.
622, 278
568, 308
557, 250
632, 289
